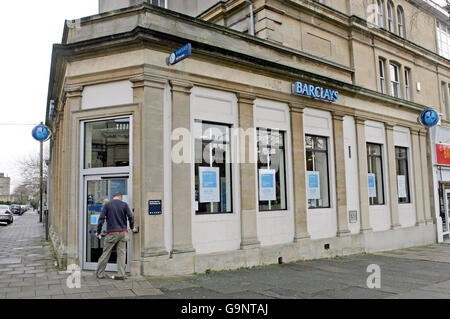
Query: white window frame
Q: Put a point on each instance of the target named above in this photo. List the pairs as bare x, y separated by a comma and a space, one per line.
382, 67
106, 170
401, 21
407, 84
390, 14
395, 83
380, 13
162, 3
443, 39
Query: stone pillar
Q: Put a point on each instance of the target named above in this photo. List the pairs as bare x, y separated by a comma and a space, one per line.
392, 175
418, 180
362, 175
247, 165
181, 172
339, 168
425, 179
70, 173
298, 158
148, 172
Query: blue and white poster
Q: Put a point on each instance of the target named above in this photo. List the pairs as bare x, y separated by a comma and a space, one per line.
209, 184
313, 185
372, 187
267, 184
94, 219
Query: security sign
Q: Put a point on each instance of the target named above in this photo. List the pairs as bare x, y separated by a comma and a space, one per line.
41, 133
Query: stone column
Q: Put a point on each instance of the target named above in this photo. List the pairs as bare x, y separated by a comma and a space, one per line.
298, 158
392, 175
418, 180
148, 172
339, 168
181, 171
70, 171
362, 175
425, 179
247, 165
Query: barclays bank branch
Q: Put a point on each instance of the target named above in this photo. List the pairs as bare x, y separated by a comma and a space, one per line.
227, 158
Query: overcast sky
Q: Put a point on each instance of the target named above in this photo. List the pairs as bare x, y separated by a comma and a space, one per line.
28, 31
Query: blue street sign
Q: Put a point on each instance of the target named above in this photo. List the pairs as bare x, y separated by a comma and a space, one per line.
180, 54
429, 118
41, 133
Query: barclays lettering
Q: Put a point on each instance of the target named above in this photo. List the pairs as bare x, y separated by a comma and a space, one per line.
317, 92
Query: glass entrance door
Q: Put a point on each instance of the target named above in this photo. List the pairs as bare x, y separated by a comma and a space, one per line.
98, 191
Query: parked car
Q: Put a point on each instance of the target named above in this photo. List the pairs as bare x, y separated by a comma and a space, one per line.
16, 209
6, 215
23, 208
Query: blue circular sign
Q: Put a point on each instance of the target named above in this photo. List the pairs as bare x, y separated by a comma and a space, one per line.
41, 133
429, 117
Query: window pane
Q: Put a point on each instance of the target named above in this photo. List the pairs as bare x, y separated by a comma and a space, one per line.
402, 174
107, 143
375, 166
390, 17
407, 89
373, 149
317, 162
271, 160
395, 89
380, 13
213, 184
382, 79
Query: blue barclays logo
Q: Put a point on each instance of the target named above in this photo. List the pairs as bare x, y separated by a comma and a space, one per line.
317, 92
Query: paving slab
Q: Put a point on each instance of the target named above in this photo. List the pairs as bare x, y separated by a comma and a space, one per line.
147, 292
94, 295
121, 293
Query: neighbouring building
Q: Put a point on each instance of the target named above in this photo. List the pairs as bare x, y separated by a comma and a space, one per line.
5, 188
289, 133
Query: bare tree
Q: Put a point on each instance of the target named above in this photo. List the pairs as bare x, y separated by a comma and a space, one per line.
29, 187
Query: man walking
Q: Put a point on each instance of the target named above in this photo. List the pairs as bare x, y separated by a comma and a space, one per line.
116, 213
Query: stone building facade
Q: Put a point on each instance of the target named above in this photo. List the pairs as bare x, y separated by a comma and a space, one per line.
300, 141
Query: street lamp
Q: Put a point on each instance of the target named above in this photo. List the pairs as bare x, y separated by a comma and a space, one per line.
41, 133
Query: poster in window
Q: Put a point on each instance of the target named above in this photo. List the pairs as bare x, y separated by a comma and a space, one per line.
209, 184
401, 186
313, 185
267, 184
118, 185
94, 219
372, 187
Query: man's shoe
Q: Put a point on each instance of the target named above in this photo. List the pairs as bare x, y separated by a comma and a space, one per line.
117, 278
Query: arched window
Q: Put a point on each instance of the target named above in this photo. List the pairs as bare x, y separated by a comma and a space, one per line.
400, 21
390, 12
380, 4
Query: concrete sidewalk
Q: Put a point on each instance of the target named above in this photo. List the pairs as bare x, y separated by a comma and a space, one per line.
27, 271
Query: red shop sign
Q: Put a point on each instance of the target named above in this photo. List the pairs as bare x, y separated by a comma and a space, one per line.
443, 154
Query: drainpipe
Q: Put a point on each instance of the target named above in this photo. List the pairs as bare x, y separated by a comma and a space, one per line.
252, 20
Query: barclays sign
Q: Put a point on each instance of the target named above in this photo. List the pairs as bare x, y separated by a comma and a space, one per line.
317, 92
